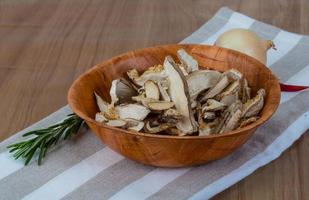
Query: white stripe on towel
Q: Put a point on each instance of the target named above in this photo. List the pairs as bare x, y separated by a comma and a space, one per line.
149, 184
8, 164
75, 176
284, 42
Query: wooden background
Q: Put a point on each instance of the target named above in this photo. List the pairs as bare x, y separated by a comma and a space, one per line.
46, 44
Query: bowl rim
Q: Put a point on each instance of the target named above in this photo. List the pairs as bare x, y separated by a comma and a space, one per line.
116, 130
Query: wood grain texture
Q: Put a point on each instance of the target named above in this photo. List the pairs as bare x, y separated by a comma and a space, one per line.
163, 150
45, 45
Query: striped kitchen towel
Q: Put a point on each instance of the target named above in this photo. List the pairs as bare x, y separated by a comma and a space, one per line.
84, 168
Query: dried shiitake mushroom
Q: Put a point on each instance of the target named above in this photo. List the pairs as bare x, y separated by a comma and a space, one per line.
134, 125
163, 91
219, 87
151, 90
180, 99
179, 93
132, 111
189, 63
201, 80
121, 91
155, 73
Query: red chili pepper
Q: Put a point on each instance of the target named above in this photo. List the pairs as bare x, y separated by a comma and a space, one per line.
292, 88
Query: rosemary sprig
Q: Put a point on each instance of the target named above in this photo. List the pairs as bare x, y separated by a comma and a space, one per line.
45, 138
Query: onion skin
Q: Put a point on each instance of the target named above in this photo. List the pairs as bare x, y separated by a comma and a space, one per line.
247, 42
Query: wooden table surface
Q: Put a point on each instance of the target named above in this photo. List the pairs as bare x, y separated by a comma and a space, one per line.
45, 45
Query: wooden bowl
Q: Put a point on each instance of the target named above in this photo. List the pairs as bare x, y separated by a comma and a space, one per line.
162, 150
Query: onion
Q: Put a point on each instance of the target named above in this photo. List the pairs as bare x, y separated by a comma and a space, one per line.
247, 42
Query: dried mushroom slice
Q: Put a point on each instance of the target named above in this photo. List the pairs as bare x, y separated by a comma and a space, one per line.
245, 91
189, 63
253, 106
228, 120
233, 122
201, 123
172, 113
179, 94
133, 74
183, 68
170, 120
163, 91
227, 77
143, 99
205, 128
116, 123
154, 73
160, 105
146, 101
218, 88
138, 127
247, 121
208, 128
230, 94
154, 69
141, 90
222, 120
99, 117
140, 97
153, 104
169, 116
231, 89
132, 111
121, 91
150, 128
134, 125
151, 90
230, 98
213, 105
103, 105
111, 113
201, 80
113, 92
209, 115
233, 74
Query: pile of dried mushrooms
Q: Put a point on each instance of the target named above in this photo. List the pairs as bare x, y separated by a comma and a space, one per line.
180, 99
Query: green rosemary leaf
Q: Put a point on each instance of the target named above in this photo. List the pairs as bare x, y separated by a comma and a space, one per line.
22, 149
41, 150
35, 145
50, 142
17, 144
19, 153
67, 132
13, 149
44, 152
58, 136
45, 138
35, 132
29, 157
